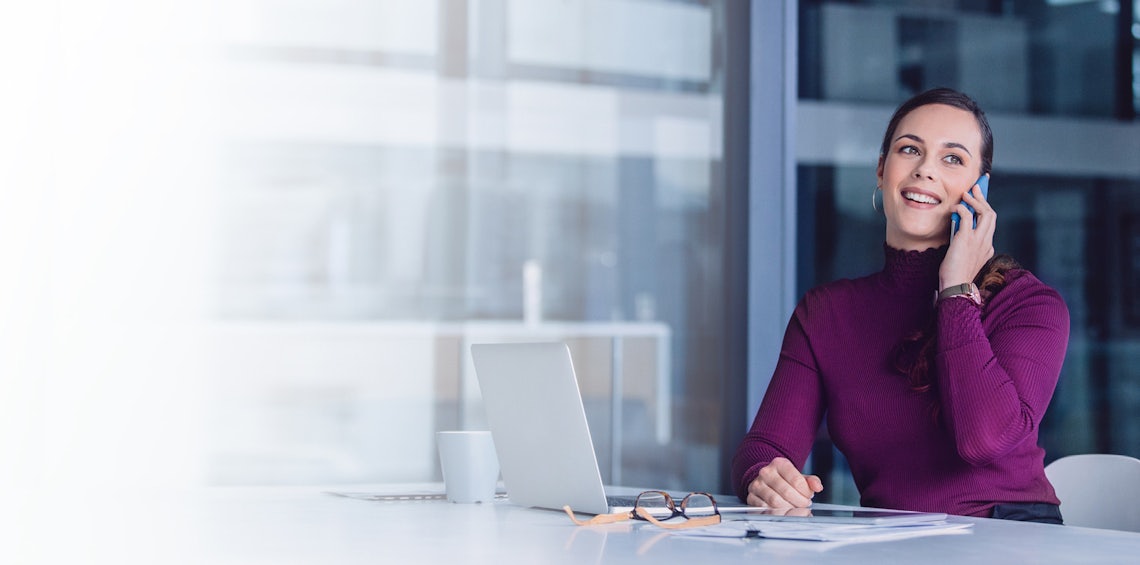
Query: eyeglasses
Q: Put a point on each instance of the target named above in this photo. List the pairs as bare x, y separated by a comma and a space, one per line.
654, 506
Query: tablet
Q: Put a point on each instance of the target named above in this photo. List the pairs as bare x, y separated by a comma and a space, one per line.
836, 516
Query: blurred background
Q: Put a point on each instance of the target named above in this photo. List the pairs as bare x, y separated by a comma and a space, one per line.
250, 242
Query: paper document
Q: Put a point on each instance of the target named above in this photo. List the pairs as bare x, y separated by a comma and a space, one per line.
823, 532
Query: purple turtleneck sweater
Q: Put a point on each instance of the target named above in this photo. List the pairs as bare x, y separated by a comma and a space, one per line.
994, 371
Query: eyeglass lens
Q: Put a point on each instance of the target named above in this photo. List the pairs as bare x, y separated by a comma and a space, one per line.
698, 504
657, 503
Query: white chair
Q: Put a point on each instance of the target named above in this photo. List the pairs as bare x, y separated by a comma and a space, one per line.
1098, 490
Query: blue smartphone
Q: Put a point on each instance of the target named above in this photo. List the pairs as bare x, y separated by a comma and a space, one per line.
984, 184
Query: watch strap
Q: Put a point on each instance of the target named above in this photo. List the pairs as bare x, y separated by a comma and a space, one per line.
965, 290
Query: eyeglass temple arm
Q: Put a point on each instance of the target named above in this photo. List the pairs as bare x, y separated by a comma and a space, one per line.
599, 519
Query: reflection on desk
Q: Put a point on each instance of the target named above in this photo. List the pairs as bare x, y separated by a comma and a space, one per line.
284, 525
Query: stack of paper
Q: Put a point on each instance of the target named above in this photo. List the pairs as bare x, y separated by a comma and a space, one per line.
826, 532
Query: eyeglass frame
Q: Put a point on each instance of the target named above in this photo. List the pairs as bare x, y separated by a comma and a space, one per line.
640, 513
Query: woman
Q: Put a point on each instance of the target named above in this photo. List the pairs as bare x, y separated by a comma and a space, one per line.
935, 372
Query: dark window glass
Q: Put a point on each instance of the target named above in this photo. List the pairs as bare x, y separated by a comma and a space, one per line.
1021, 56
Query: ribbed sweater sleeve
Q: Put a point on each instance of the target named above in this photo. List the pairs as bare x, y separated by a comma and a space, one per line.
994, 389
790, 413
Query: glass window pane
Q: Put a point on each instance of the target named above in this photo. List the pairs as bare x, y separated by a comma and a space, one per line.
1026, 56
553, 172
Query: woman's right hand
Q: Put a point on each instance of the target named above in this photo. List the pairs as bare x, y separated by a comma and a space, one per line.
781, 485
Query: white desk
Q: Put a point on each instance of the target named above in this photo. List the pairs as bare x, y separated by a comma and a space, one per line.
276, 525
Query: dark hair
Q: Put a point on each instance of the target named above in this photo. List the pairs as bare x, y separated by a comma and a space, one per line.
947, 97
914, 357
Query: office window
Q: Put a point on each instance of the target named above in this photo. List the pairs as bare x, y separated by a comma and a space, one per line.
1026, 56
402, 179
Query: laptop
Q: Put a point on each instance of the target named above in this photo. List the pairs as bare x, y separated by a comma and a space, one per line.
535, 413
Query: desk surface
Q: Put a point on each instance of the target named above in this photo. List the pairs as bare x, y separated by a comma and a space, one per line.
305, 525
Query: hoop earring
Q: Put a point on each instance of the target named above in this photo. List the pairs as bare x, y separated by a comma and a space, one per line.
875, 193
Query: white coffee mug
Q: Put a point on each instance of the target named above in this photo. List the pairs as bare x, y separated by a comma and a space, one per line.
470, 465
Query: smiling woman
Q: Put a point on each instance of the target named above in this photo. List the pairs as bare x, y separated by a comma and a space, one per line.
935, 404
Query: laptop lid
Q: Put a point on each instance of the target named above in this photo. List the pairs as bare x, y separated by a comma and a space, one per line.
534, 409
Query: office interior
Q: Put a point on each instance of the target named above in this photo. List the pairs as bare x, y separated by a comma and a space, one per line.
250, 242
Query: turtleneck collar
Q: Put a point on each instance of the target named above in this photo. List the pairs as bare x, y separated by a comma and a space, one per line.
914, 269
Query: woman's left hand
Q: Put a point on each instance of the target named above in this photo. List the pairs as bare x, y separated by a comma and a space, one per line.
972, 246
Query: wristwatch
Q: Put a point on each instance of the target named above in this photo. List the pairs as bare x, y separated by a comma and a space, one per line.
964, 290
